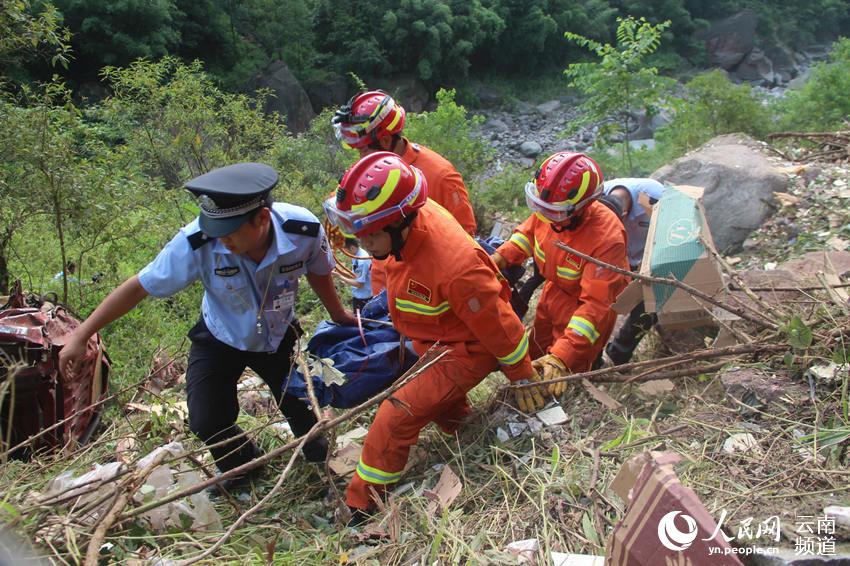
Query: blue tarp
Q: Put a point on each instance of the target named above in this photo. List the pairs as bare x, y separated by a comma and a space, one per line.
369, 367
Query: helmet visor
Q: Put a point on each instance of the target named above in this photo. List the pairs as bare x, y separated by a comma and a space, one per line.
551, 211
350, 128
356, 222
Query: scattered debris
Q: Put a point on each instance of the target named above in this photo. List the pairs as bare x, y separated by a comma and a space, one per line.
525, 550
839, 513
194, 512
828, 372
561, 559
552, 416
352, 435
344, 462
600, 395
656, 387
447, 489
741, 442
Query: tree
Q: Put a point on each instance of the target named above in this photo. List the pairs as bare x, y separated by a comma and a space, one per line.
57, 170
619, 84
26, 35
116, 32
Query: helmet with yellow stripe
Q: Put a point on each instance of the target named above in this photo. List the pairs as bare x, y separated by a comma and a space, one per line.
564, 184
367, 117
376, 192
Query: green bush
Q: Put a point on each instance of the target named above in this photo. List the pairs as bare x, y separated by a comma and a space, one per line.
711, 105
823, 103
448, 130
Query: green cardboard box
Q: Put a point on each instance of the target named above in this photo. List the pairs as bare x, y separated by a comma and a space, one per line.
678, 246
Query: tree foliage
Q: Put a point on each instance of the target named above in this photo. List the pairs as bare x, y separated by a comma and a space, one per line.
823, 102
620, 83
710, 106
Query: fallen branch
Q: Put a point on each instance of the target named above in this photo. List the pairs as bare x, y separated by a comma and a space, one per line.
433, 355
601, 375
761, 321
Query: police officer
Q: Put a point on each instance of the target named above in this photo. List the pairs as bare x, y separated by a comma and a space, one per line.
249, 254
630, 198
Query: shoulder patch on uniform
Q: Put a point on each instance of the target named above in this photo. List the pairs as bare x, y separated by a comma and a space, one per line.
301, 227
291, 267
228, 271
420, 290
199, 240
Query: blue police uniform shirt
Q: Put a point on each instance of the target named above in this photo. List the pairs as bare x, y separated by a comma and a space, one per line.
236, 289
636, 221
363, 270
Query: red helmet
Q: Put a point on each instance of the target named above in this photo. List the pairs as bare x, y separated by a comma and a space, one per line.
565, 183
379, 190
366, 117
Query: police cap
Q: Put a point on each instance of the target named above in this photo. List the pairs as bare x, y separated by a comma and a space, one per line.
228, 195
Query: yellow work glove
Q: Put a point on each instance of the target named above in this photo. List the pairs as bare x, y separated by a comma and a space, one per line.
550, 367
530, 399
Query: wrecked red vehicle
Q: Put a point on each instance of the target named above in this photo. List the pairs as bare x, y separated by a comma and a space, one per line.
36, 400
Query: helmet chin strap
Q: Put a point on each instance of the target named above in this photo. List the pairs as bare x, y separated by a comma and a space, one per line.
396, 239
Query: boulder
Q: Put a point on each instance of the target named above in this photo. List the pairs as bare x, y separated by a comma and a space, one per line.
784, 62
756, 67
495, 125
739, 183
488, 97
289, 100
331, 91
530, 149
407, 89
728, 41
549, 107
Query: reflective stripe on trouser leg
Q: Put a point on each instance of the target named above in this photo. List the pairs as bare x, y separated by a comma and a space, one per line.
397, 424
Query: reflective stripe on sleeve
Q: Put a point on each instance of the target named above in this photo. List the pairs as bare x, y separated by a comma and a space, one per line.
522, 241
418, 308
583, 327
518, 354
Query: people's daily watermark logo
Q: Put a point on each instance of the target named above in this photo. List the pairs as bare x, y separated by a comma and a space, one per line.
669, 534
815, 535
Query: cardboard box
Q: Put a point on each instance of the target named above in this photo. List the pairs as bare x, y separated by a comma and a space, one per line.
678, 246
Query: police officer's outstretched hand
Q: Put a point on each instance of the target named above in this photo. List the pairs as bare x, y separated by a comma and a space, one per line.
551, 367
71, 355
530, 399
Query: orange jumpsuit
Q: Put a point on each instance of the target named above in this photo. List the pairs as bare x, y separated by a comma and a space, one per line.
574, 317
445, 185
446, 289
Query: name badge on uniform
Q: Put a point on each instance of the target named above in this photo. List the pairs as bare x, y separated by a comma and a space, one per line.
291, 267
284, 301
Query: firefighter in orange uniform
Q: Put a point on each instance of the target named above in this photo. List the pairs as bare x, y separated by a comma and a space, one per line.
441, 286
574, 317
373, 121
